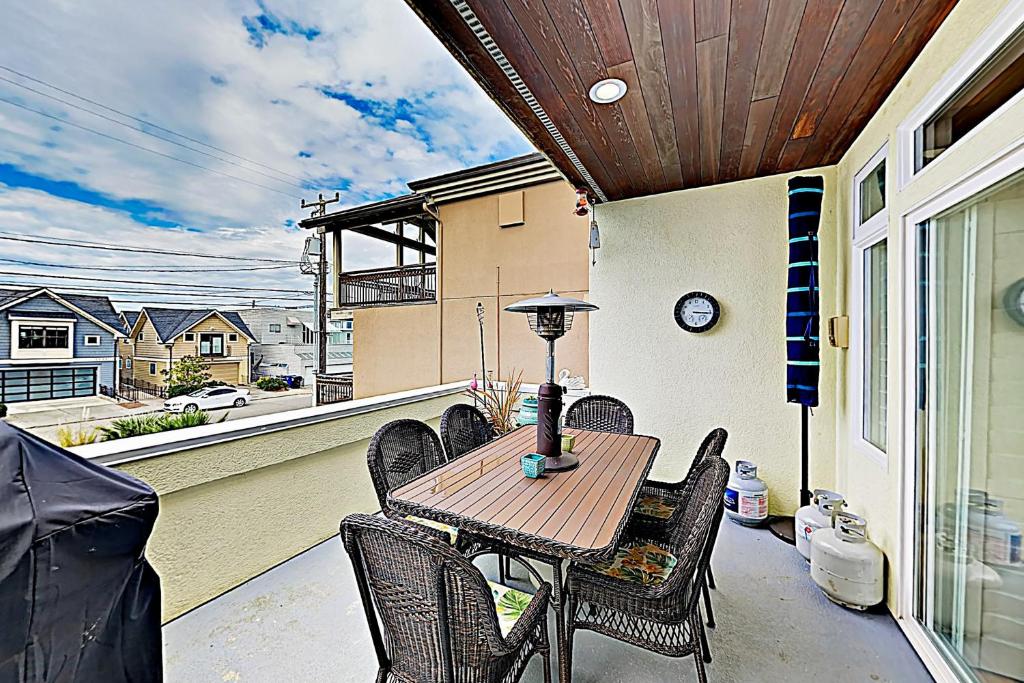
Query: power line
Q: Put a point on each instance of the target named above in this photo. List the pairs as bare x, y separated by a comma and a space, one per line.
151, 134
225, 304
144, 148
81, 244
154, 268
101, 291
151, 282
147, 123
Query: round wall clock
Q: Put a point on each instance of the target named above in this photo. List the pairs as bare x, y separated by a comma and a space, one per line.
1013, 300
697, 312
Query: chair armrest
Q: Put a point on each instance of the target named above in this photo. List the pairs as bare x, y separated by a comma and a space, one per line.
536, 611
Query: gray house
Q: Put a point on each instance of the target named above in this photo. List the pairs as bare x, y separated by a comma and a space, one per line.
56, 345
286, 342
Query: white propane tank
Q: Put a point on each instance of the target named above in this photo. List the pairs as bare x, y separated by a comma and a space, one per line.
746, 496
845, 564
815, 516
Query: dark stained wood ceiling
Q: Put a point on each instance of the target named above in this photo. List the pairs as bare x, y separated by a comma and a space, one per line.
718, 90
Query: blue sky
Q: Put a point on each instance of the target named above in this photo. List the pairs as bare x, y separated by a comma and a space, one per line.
204, 123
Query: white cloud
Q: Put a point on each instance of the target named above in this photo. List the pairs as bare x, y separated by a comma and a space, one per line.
160, 61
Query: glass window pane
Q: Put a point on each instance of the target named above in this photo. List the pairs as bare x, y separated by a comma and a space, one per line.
970, 442
876, 335
997, 81
872, 192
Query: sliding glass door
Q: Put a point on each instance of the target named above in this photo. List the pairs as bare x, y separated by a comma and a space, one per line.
970, 433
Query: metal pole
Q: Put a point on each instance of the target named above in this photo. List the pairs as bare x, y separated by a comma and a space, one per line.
551, 362
483, 362
805, 493
321, 278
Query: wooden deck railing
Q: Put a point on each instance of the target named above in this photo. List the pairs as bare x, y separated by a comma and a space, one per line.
382, 286
333, 388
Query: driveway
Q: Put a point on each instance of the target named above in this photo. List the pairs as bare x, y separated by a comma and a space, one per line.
45, 420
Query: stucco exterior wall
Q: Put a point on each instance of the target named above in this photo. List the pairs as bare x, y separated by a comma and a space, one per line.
233, 510
398, 348
479, 261
730, 241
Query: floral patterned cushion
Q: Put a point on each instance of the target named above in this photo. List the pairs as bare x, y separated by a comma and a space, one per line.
509, 604
658, 507
453, 533
648, 565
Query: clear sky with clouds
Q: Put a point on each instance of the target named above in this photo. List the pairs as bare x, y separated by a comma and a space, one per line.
274, 100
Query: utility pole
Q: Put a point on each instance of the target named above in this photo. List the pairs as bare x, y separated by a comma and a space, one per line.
315, 247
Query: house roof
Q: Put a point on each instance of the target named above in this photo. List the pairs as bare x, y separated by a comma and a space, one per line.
130, 318
171, 322
98, 308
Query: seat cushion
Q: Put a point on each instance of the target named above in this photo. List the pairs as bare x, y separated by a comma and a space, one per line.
658, 507
648, 564
509, 605
453, 533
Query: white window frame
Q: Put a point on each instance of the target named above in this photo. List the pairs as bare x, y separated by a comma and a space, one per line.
232, 337
190, 336
1005, 24
91, 340
18, 353
873, 231
274, 328
127, 363
142, 336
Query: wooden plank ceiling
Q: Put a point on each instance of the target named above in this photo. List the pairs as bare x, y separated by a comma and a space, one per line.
718, 90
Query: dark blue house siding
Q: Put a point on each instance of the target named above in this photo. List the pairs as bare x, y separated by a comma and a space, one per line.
104, 354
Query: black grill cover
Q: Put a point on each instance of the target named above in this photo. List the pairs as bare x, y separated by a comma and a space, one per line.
78, 601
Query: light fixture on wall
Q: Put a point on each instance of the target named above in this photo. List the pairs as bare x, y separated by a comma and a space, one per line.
608, 90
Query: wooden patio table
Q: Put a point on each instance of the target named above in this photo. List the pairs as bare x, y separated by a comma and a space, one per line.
575, 515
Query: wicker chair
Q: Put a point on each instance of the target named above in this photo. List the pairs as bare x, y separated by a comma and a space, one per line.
399, 452
464, 428
600, 414
661, 504
649, 595
431, 614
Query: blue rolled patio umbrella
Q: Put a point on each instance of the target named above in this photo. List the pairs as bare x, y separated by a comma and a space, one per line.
803, 338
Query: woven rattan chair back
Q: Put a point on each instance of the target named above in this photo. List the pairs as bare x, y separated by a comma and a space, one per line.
434, 618
600, 413
399, 452
464, 428
712, 446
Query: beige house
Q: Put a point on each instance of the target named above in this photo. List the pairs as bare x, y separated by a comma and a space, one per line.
490, 235
157, 337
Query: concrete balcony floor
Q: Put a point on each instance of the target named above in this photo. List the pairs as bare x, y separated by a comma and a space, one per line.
302, 621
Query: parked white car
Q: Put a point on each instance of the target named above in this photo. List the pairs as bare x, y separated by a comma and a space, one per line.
210, 397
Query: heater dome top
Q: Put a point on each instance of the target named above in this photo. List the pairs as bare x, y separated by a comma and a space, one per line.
550, 300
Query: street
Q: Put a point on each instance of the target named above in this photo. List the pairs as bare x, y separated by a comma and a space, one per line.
97, 412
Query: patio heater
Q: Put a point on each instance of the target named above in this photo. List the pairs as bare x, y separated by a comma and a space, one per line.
550, 318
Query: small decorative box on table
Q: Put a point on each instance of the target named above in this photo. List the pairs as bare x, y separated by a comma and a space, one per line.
533, 465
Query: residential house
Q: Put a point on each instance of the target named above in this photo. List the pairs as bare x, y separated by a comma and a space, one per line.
56, 345
160, 336
489, 235
286, 342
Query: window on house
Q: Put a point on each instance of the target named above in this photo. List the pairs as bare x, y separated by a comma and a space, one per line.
870, 310
142, 336
128, 363
190, 336
152, 368
275, 327
211, 344
232, 337
998, 80
42, 337
120, 363
92, 340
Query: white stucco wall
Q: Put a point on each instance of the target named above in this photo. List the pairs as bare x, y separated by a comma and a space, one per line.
730, 241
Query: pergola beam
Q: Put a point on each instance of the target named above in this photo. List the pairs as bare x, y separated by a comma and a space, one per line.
392, 238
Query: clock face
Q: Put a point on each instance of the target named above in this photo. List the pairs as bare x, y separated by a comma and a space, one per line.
697, 312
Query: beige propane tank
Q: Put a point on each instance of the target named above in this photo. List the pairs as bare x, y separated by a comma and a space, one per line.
845, 564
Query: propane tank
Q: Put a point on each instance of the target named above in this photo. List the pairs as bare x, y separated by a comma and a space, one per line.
847, 566
815, 516
746, 496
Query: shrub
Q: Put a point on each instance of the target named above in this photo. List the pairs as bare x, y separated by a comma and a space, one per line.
188, 374
499, 404
271, 384
3, 410
152, 423
68, 437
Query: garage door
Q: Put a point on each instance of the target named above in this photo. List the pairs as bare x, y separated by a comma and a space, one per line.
37, 384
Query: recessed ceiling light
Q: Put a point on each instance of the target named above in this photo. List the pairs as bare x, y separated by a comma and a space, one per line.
607, 91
